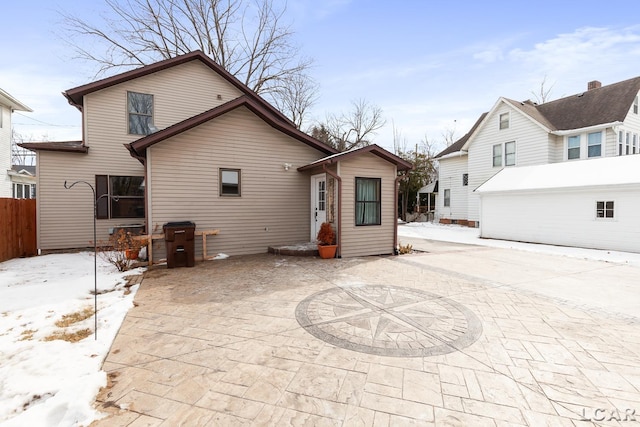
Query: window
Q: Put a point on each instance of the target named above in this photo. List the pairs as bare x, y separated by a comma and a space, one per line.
368, 201
604, 209
23, 191
628, 145
635, 106
447, 198
504, 121
465, 179
230, 182
635, 143
119, 197
497, 155
510, 153
594, 142
140, 107
573, 147
322, 195
620, 137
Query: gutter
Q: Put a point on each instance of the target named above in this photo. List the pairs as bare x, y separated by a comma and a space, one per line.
586, 129
339, 234
454, 154
395, 210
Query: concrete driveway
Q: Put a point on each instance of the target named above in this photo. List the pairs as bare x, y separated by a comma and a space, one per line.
460, 335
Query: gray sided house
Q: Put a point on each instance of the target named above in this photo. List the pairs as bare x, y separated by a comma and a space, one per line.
183, 140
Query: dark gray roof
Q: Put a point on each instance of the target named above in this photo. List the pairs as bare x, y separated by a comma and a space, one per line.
606, 104
18, 168
457, 146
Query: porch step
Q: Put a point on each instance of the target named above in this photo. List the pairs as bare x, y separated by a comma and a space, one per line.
300, 249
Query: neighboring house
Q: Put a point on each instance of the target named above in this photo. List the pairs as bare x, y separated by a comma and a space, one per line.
8, 104
602, 122
182, 139
23, 181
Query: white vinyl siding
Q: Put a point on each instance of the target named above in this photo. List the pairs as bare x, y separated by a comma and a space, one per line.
183, 183
370, 239
65, 217
449, 173
519, 217
5, 152
533, 147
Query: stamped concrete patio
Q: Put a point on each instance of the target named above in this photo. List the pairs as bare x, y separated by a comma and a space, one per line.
460, 335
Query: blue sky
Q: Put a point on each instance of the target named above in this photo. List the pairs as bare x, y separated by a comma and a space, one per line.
430, 65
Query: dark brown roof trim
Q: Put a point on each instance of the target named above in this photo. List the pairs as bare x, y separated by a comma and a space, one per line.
401, 164
62, 146
75, 95
139, 147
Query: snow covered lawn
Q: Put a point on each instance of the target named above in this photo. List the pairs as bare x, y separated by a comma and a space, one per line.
459, 234
53, 382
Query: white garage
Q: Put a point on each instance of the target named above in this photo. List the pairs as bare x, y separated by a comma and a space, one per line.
588, 203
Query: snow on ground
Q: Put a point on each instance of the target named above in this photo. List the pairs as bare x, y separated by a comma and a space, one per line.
54, 383
459, 234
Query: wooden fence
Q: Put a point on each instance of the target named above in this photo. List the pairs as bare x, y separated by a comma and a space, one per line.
17, 228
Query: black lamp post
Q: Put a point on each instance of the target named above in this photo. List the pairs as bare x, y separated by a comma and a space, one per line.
95, 249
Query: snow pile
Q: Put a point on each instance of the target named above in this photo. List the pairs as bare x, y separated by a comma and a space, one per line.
471, 236
55, 382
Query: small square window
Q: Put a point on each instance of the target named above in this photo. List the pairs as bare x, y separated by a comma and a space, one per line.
497, 155
504, 121
604, 209
447, 198
230, 182
465, 179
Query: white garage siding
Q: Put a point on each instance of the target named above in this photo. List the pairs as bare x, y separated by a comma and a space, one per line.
564, 217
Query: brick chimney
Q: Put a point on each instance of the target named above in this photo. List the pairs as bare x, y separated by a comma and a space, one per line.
594, 85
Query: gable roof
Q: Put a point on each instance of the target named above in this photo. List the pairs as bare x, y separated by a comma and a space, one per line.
13, 103
76, 95
400, 163
457, 146
616, 171
139, 147
606, 104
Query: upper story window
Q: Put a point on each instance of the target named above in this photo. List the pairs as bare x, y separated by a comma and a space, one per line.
497, 155
620, 143
635, 143
140, 108
510, 153
594, 144
635, 105
504, 121
573, 147
628, 144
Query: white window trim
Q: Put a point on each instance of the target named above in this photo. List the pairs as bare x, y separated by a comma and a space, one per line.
503, 155
595, 210
603, 137
445, 198
508, 120
584, 146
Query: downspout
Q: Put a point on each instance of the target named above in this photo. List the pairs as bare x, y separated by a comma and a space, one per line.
339, 234
395, 210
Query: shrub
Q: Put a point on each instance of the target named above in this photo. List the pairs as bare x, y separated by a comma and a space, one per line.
115, 250
326, 235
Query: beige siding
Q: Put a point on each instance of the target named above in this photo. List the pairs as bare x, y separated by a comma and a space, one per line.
65, 216
450, 178
274, 206
533, 147
371, 239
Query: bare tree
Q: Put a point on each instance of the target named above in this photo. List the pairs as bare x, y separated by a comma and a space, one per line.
353, 129
246, 37
448, 134
295, 97
19, 155
543, 93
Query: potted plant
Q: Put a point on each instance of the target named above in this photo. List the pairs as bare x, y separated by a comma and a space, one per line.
327, 241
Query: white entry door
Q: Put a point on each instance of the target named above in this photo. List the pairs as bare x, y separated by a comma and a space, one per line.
318, 203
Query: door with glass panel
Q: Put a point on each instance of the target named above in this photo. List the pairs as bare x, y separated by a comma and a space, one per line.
318, 203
